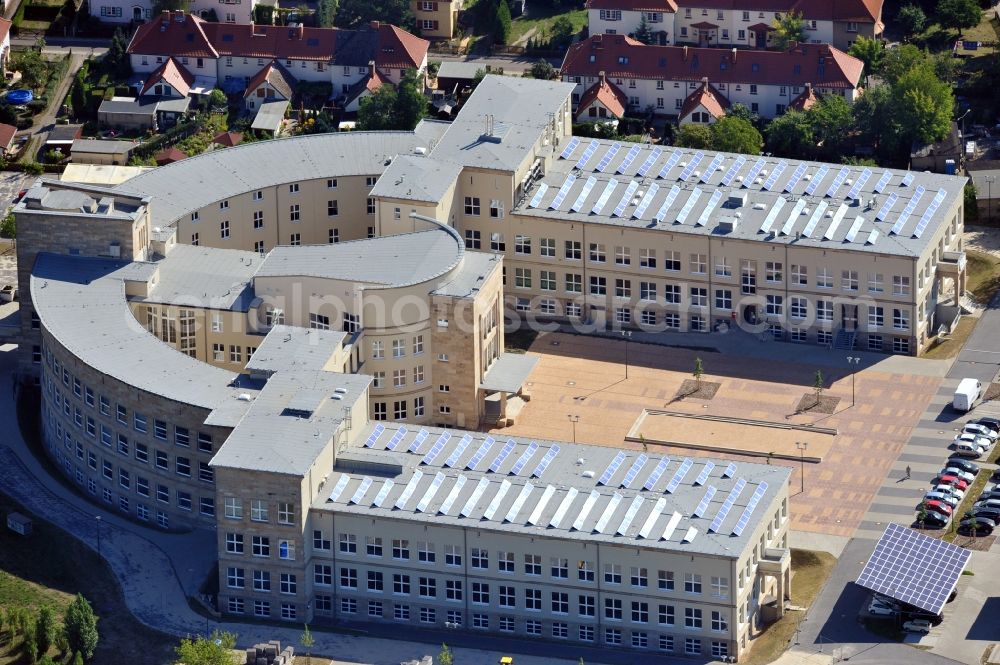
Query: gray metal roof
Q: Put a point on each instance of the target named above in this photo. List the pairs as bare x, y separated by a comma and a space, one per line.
291, 420
459, 70
400, 260
290, 348
475, 268
787, 201
417, 178
509, 372
205, 277
269, 116
568, 498
522, 108
102, 147
191, 184
81, 303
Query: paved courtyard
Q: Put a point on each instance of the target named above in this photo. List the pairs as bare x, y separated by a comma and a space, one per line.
585, 377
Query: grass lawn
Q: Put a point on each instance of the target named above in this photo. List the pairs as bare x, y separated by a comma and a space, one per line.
541, 22
949, 348
810, 571
983, 278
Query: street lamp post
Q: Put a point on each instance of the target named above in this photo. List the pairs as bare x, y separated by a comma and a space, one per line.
574, 419
98, 518
626, 335
853, 361
990, 179
802, 445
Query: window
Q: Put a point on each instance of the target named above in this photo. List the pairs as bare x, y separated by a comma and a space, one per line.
479, 558
699, 297
376, 582
692, 617
224, 230
900, 285
774, 305
876, 317
598, 285
348, 543
532, 564
532, 626
472, 239
522, 244
522, 278
401, 549
613, 609
258, 511
319, 321
623, 288
427, 587
182, 466
623, 256
692, 646
334, 236
547, 280
373, 545
425, 553
261, 546
480, 593
370, 209
234, 508
533, 599
482, 621
824, 310
824, 278
849, 280
665, 615
453, 590
574, 283
720, 586
505, 562
748, 277
723, 299
612, 573
900, 319
497, 243
573, 250
472, 205
638, 577
235, 578
400, 584
699, 264
800, 275
692, 583
597, 253
875, 281
586, 633
900, 345
559, 568
719, 622
287, 583
772, 271
640, 612
261, 580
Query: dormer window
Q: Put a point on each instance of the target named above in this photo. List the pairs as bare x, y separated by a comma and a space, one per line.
593, 58
623, 60
754, 67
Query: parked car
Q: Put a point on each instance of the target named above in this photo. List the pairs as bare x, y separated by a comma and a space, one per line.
987, 512
977, 526
964, 465
990, 496
955, 471
917, 626
953, 480
987, 503
879, 608
950, 490
980, 430
933, 521
939, 507
950, 499
973, 440
965, 450
991, 423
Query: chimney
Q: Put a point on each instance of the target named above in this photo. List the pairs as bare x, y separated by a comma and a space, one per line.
302, 30
808, 88
685, 56
704, 83
734, 56
374, 25
601, 76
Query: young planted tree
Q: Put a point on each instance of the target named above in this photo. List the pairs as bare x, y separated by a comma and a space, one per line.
911, 19
445, 656
307, 641
699, 371
922, 514
216, 649
45, 629
80, 625
504, 25
644, 33
818, 385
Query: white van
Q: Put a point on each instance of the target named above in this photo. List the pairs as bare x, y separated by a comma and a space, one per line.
968, 391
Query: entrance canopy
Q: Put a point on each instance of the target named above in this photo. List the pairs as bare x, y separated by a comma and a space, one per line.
508, 373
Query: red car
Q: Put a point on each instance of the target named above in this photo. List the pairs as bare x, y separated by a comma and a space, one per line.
954, 481
939, 507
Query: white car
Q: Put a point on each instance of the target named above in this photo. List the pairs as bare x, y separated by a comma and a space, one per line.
950, 499
879, 608
950, 491
917, 626
980, 442
980, 430
955, 471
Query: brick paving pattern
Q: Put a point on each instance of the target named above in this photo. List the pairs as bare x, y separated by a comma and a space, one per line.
585, 376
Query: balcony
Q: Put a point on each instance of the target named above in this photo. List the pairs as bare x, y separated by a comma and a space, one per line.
952, 263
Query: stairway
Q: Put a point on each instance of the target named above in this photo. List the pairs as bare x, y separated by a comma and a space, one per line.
845, 339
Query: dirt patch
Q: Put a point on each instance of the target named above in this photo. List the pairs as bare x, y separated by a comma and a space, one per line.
992, 392
979, 543
691, 390
809, 404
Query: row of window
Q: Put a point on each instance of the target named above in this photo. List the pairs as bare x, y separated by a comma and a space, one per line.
399, 346
260, 510
400, 408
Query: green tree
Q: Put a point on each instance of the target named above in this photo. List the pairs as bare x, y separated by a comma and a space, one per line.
818, 385
922, 514
46, 660
542, 69
326, 12
743, 111
411, 103
401, 107
80, 625
831, 120
898, 61
216, 649
875, 121
8, 228
970, 204
355, 13
445, 656
699, 371
30, 646
911, 19
788, 30
791, 135
693, 135
503, 24
923, 104
644, 33
77, 658
217, 98
959, 14
732, 134
562, 31
45, 629
264, 14
32, 67
870, 52
307, 640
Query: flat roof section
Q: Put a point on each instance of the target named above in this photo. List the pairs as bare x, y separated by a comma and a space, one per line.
290, 348
206, 276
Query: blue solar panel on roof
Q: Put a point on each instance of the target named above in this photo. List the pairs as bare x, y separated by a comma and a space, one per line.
502, 455
914, 568
904, 216
648, 164
797, 174
887, 206
712, 166
418, 440
396, 438
525, 457
584, 193
640, 209
727, 179
436, 449
748, 511
373, 437
603, 198
675, 157
588, 153
730, 470
816, 179
692, 165
547, 458
772, 180
656, 473
608, 156
705, 472
859, 184
679, 475
457, 452
705, 500
682, 215
709, 208
838, 181
626, 198
484, 448
634, 470
727, 505
570, 147
883, 181
537, 198
661, 214
754, 172
629, 158
563, 191
612, 468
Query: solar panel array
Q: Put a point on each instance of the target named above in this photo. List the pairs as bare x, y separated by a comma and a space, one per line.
838, 216
671, 196
518, 504
748, 511
883, 181
640, 209
675, 157
543, 463
605, 195
457, 452
655, 474
705, 500
585, 509
793, 217
654, 515
418, 441
484, 448
626, 197
772, 179
560, 514
570, 147
712, 167
709, 207
925, 219
502, 455
734, 168
816, 179
477, 494
648, 164
436, 449
772, 215
584, 193
887, 206
432, 490
374, 436
383, 493
630, 514
907, 179
338, 489
688, 206
587, 153
409, 489
634, 470
609, 511
727, 505
563, 191
396, 438
914, 568
730, 470
608, 156
539, 193
855, 227
359, 493
797, 174
629, 158
679, 475
449, 500
754, 172
612, 468
859, 184
494, 504
838, 181
523, 460
692, 165
904, 216
814, 220
536, 514
705, 472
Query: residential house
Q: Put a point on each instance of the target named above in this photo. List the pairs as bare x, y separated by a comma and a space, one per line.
731, 23
93, 151
273, 83
232, 56
703, 106
663, 77
4, 44
601, 101
364, 88
142, 113
140, 11
7, 133
436, 19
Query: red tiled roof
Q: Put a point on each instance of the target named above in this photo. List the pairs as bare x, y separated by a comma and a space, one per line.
634, 5
6, 135
704, 25
179, 78
805, 101
608, 94
185, 35
168, 156
5, 28
708, 98
622, 57
277, 76
371, 83
228, 139
173, 33
761, 27
869, 11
